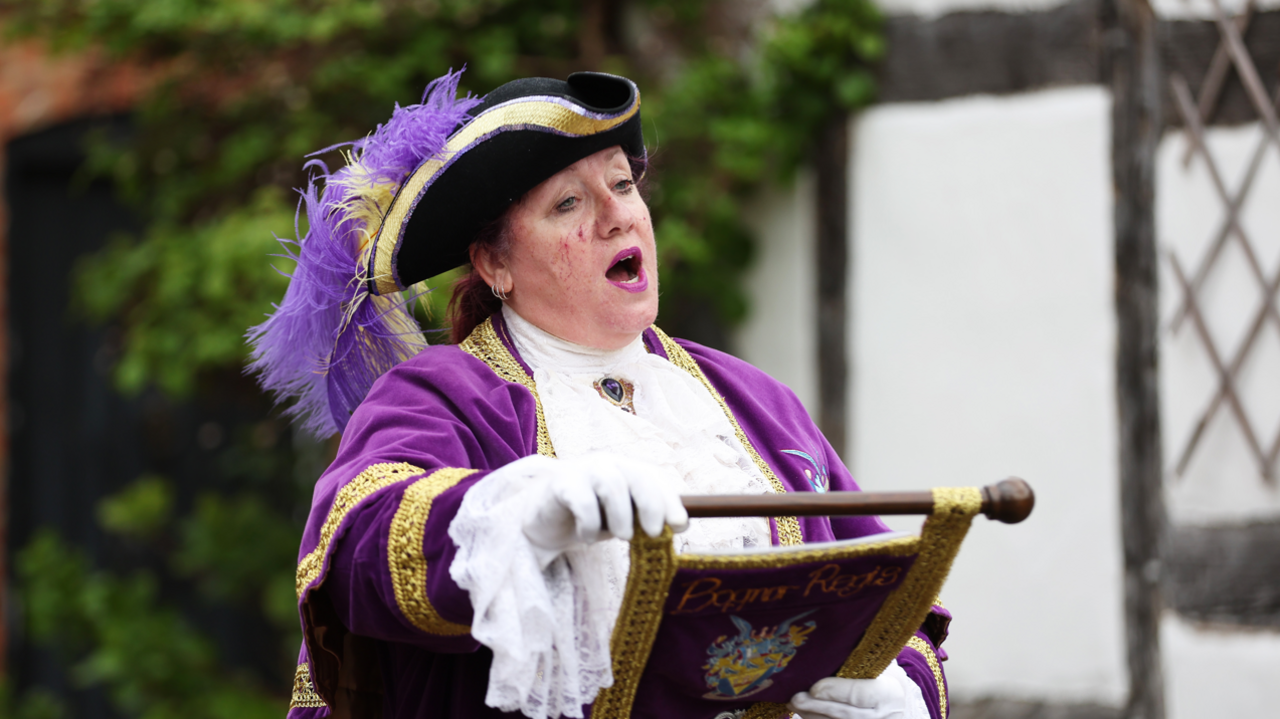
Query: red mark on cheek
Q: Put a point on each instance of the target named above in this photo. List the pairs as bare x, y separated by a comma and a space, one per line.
580, 233
565, 267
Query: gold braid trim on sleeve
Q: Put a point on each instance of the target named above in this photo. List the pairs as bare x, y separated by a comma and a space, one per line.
404, 552
923, 647
653, 567
788, 527
304, 692
906, 608
484, 344
372, 479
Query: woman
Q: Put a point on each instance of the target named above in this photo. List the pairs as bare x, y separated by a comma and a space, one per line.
464, 553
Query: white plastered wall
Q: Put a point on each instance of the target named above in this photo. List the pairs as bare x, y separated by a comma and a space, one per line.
780, 334
1171, 9
984, 347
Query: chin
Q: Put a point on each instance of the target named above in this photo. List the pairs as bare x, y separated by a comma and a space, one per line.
627, 324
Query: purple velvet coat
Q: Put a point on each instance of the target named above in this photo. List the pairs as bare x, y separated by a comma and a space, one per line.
385, 627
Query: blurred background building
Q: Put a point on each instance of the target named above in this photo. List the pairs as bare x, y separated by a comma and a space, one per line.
979, 238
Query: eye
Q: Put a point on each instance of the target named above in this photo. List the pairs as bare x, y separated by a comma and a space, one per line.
624, 186
567, 204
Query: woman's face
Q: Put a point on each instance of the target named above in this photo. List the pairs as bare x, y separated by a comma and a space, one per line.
582, 263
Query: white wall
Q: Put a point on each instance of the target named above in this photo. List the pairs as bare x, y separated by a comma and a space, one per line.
984, 347
1171, 9
780, 334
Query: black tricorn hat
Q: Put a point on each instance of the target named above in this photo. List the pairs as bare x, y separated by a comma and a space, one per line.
521, 134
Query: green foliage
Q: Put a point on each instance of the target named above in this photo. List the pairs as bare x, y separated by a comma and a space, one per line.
186, 293
118, 631
245, 90
249, 88
140, 511
239, 549
34, 704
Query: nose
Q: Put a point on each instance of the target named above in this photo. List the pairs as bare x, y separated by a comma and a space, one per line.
614, 217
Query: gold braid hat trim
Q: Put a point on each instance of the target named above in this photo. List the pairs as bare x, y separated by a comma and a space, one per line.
304, 692
404, 552
372, 479
923, 647
905, 609
519, 114
484, 344
653, 567
788, 527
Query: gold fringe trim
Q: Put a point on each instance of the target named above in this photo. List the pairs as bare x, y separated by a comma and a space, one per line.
788, 527
767, 710
898, 547
528, 113
905, 609
372, 479
484, 344
304, 692
404, 552
923, 647
653, 567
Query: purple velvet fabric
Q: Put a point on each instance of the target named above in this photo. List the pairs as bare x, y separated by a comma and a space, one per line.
445, 408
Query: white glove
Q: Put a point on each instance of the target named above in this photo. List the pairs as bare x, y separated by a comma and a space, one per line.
566, 510
892, 695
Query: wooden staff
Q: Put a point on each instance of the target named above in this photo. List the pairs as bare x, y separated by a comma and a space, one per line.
1008, 501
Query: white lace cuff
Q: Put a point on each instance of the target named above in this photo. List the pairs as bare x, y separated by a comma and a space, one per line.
548, 629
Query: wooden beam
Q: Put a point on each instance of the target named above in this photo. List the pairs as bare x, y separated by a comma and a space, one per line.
1000, 53
831, 266
1224, 575
1135, 74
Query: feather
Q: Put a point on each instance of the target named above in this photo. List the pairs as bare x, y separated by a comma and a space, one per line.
330, 339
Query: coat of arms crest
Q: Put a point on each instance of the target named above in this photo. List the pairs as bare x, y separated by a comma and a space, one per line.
742, 665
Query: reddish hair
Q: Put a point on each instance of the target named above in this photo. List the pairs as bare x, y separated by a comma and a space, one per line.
473, 300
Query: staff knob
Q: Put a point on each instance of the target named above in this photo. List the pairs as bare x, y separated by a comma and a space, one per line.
1009, 501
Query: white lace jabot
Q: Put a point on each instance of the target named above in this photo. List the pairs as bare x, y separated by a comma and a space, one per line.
677, 424
549, 628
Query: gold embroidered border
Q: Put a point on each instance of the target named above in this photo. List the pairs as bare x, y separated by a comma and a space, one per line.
653, 567
526, 114
484, 344
304, 692
897, 547
766, 710
372, 479
404, 552
905, 609
923, 647
788, 527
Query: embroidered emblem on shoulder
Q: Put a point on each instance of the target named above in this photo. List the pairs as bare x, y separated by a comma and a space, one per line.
818, 478
743, 665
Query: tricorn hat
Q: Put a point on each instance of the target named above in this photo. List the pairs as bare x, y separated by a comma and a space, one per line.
521, 134
406, 207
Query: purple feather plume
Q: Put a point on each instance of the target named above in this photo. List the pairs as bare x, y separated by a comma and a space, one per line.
330, 338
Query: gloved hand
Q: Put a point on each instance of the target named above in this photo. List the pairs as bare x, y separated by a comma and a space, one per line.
892, 695
566, 509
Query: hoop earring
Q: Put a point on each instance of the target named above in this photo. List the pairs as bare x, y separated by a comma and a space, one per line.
498, 292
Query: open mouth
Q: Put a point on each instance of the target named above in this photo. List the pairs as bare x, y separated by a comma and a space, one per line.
627, 271
626, 267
